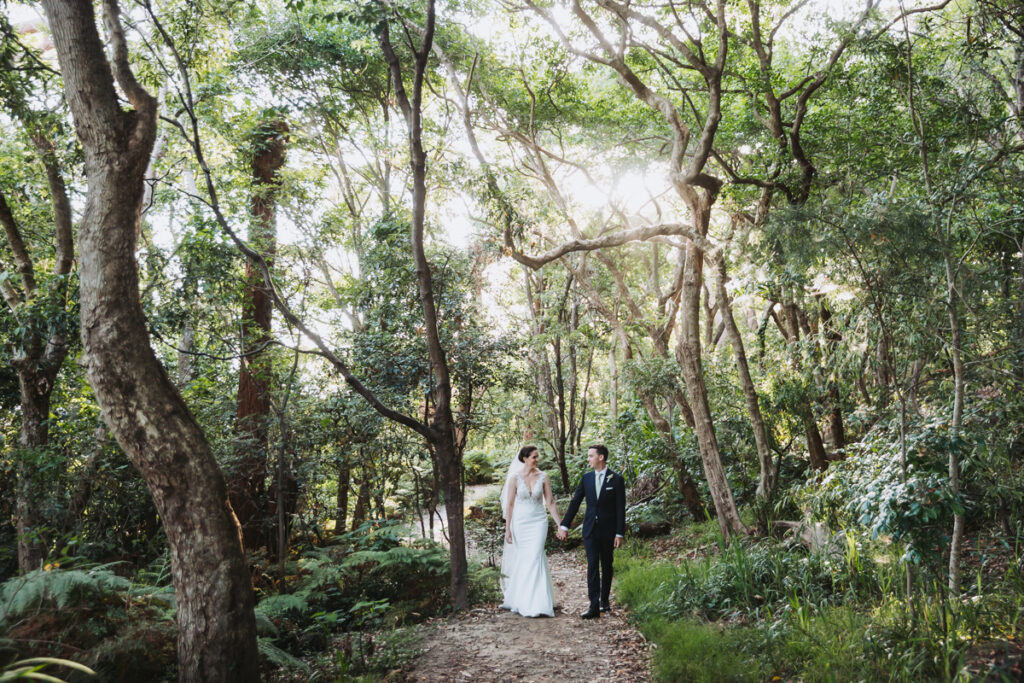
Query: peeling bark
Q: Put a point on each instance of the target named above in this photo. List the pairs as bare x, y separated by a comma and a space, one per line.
138, 401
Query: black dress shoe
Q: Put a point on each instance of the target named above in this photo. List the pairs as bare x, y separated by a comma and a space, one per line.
606, 607
592, 613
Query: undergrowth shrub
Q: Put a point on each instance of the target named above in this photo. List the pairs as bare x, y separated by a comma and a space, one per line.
120, 627
767, 576
58, 589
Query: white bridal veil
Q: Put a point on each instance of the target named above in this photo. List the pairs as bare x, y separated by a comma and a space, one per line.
514, 468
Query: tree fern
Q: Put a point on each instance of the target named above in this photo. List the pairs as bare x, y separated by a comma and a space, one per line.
280, 605
404, 558
58, 588
264, 626
279, 657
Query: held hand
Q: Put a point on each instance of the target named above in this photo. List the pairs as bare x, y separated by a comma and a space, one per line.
561, 535
618, 541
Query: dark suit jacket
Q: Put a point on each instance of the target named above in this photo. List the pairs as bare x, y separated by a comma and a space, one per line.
605, 517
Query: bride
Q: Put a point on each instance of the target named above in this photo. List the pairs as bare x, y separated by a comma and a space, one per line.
526, 500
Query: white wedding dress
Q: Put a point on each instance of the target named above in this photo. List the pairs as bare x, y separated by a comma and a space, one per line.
525, 579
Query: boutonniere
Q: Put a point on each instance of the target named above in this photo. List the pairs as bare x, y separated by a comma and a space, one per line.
609, 477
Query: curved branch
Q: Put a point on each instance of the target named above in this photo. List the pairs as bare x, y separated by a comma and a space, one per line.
137, 95
18, 248
613, 240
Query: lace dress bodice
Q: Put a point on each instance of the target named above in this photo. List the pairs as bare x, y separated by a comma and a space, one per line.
535, 494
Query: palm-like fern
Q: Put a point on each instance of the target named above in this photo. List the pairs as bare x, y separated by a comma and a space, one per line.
58, 588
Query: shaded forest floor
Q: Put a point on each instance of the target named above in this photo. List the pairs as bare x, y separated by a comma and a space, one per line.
491, 644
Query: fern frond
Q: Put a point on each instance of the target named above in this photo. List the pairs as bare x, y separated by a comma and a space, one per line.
279, 657
264, 626
58, 588
279, 605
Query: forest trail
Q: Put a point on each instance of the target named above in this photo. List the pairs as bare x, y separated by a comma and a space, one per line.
492, 644
473, 494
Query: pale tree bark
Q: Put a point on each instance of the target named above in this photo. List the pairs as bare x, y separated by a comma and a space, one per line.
767, 474
613, 394
952, 307
956, 539
216, 624
697, 189
548, 371
684, 481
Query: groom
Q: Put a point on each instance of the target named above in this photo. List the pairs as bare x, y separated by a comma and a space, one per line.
604, 525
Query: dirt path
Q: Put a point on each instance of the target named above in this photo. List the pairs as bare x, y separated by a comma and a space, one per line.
474, 494
491, 644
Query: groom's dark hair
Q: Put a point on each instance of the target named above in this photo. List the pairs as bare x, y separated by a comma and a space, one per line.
601, 450
525, 451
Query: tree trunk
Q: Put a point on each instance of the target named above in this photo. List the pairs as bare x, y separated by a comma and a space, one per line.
442, 426
450, 470
882, 375
687, 488
40, 356
833, 339
956, 537
766, 464
138, 401
613, 392
34, 439
835, 418
362, 501
341, 506
693, 373
815, 444
186, 370
560, 435
247, 485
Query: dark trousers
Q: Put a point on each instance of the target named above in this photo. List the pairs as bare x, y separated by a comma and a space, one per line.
599, 568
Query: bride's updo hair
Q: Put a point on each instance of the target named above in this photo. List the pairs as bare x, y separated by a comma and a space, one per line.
525, 451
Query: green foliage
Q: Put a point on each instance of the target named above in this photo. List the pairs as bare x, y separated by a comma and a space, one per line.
32, 669
59, 589
479, 467
124, 625
744, 580
279, 657
367, 580
773, 611
693, 651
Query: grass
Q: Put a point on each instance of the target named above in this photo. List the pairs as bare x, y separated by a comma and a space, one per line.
693, 651
769, 611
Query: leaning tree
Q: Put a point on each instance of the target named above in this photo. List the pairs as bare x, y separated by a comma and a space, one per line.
138, 401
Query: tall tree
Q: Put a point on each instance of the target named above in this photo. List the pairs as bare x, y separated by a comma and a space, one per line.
42, 305
140, 404
441, 429
247, 484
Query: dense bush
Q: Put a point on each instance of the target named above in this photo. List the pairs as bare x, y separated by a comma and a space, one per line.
121, 628
479, 467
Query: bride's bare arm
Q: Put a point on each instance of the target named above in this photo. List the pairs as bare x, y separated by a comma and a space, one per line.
508, 512
549, 498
